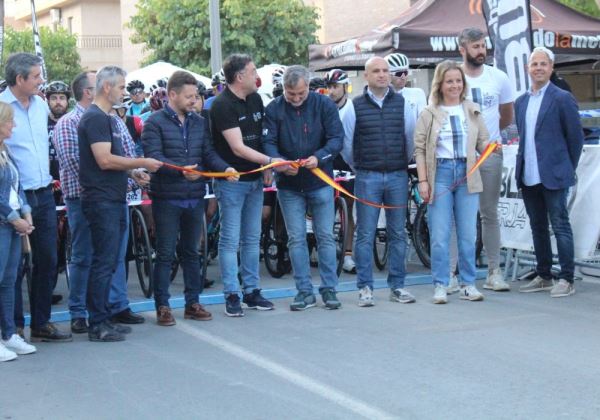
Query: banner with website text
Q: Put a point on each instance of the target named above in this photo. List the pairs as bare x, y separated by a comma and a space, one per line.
583, 203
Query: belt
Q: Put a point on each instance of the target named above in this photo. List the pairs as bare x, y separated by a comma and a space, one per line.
448, 159
38, 190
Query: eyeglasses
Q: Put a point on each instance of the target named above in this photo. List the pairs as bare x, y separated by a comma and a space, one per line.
401, 73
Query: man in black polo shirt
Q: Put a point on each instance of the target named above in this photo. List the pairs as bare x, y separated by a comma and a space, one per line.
236, 120
103, 178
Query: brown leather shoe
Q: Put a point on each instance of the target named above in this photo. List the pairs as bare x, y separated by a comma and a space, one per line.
164, 316
197, 313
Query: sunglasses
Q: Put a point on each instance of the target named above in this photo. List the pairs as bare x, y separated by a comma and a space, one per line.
137, 91
401, 73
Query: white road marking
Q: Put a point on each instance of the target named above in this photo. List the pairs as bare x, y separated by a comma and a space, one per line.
318, 388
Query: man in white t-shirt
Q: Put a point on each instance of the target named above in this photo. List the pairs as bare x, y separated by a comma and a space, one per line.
491, 89
415, 100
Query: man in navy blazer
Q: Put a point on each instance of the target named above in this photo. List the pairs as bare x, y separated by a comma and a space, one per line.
549, 149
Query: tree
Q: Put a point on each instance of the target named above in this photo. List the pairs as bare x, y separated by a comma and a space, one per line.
589, 7
60, 51
275, 31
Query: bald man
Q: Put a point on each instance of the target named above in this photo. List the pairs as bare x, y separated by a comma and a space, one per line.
381, 157
551, 144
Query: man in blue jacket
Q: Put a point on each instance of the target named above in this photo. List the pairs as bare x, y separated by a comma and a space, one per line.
179, 136
551, 143
305, 125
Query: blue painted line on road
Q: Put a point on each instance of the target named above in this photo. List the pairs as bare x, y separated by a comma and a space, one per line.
216, 298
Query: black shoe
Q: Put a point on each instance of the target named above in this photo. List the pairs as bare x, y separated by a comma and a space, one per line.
127, 317
49, 333
121, 329
103, 332
255, 300
208, 283
79, 326
56, 299
330, 299
232, 306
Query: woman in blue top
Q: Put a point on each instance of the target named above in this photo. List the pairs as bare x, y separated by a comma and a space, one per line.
15, 222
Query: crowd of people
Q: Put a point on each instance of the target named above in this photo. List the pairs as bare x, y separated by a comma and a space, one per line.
102, 146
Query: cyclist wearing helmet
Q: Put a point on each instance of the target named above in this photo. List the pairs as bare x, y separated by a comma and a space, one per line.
338, 84
277, 81
317, 84
218, 84
158, 99
57, 95
139, 104
414, 97
199, 105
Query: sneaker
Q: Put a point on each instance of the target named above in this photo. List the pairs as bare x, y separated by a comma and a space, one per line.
164, 316
302, 301
495, 281
349, 265
440, 295
49, 333
453, 286
6, 355
402, 296
470, 292
256, 300
104, 333
562, 289
197, 312
538, 284
18, 345
330, 299
233, 307
365, 297
121, 329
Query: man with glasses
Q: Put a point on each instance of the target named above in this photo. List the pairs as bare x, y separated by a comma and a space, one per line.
415, 100
236, 119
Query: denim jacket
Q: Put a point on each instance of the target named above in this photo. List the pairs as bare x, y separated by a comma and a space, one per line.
7, 214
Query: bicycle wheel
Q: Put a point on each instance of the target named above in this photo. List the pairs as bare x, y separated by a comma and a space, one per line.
68, 245
421, 236
203, 250
142, 252
275, 247
380, 249
340, 230
27, 268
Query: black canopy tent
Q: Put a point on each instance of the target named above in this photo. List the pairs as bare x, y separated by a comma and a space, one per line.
426, 32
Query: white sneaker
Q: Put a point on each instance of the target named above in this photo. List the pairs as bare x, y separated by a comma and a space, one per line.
18, 345
440, 295
495, 281
470, 293
562, 288
349, 265
6, 354
453, 286
365, 297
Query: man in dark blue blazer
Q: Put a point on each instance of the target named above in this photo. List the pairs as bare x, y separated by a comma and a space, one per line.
551, 141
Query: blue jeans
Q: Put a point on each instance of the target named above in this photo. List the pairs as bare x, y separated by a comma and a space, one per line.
10, 254
174, 222
294, 205
43, 247
540, 203
389, 188
81, 260
452, 198
240, 206
107, 223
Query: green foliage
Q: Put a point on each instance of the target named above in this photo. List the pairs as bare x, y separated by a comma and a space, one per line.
588, 7
274, 31
60, 51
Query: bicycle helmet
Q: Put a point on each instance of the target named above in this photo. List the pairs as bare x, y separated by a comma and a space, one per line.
158, 99
57, 87
218, 78
277, 75
337, 76
201, 88
3, 85
135, 85
317, 84
397, 62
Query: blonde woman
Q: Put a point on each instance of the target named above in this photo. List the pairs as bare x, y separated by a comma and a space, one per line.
15, 221
448, 135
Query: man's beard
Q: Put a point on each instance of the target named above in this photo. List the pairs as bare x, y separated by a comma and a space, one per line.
58, 113
474, 60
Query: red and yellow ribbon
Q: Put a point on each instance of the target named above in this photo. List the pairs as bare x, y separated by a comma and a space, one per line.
319, 173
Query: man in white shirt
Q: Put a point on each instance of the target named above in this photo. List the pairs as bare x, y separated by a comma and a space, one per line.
491, 89
415, 100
